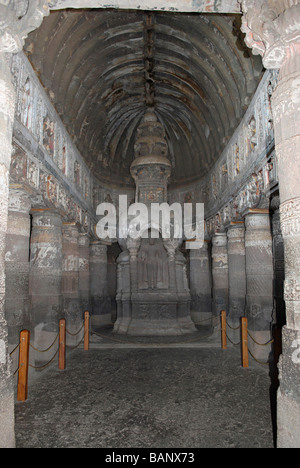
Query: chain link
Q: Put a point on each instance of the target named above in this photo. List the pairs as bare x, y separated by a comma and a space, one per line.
45, 365
260, 344
140, 344
74, 334
44, 350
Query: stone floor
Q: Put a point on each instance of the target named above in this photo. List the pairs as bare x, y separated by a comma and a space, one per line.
124, 394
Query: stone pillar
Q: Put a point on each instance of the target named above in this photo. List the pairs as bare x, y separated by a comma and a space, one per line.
200, 285
84, 271
70, 279
219, 276
236, 273
259, 277
45, 287
123, 296
286, 110
100, 303
278, 254
7, 107
14, 28
17, 263
272, 30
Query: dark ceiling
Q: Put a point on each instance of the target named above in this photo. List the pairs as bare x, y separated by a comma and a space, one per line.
103, 67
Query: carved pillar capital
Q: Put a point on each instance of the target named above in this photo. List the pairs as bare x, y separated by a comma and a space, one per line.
18, 19
272, 29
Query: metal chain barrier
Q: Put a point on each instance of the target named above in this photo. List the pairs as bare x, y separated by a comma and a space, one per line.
11, 354
75, 334
25, 345
44, 351
234, 329
259, 344
244, 339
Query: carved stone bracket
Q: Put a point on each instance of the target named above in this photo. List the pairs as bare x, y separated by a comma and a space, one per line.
272, 29
17, 19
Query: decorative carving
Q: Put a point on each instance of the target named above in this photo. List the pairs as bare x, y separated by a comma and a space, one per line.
26, 108
292, 289
224, 175
158, 280
271, 28
77, 175
151, 167
46, 182
18, 166
153, 265
252, 137
18, 19
236, 159
290, 218
226, 215
48, 135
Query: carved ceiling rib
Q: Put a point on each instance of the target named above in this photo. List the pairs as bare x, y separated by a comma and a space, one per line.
96, 66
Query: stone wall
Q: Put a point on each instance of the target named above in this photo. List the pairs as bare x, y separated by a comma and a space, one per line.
51, 220
246, 173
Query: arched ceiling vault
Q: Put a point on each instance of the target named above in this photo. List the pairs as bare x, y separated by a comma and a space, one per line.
102, 68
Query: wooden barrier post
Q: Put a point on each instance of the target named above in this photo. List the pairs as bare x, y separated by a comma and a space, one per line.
244, 341
223, 329
86, 330
62, 345
23, 365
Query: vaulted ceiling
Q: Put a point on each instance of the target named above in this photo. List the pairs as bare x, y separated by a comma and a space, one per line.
102, 68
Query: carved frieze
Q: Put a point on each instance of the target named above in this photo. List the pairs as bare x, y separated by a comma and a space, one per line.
292, 289
290, 218
44, 158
